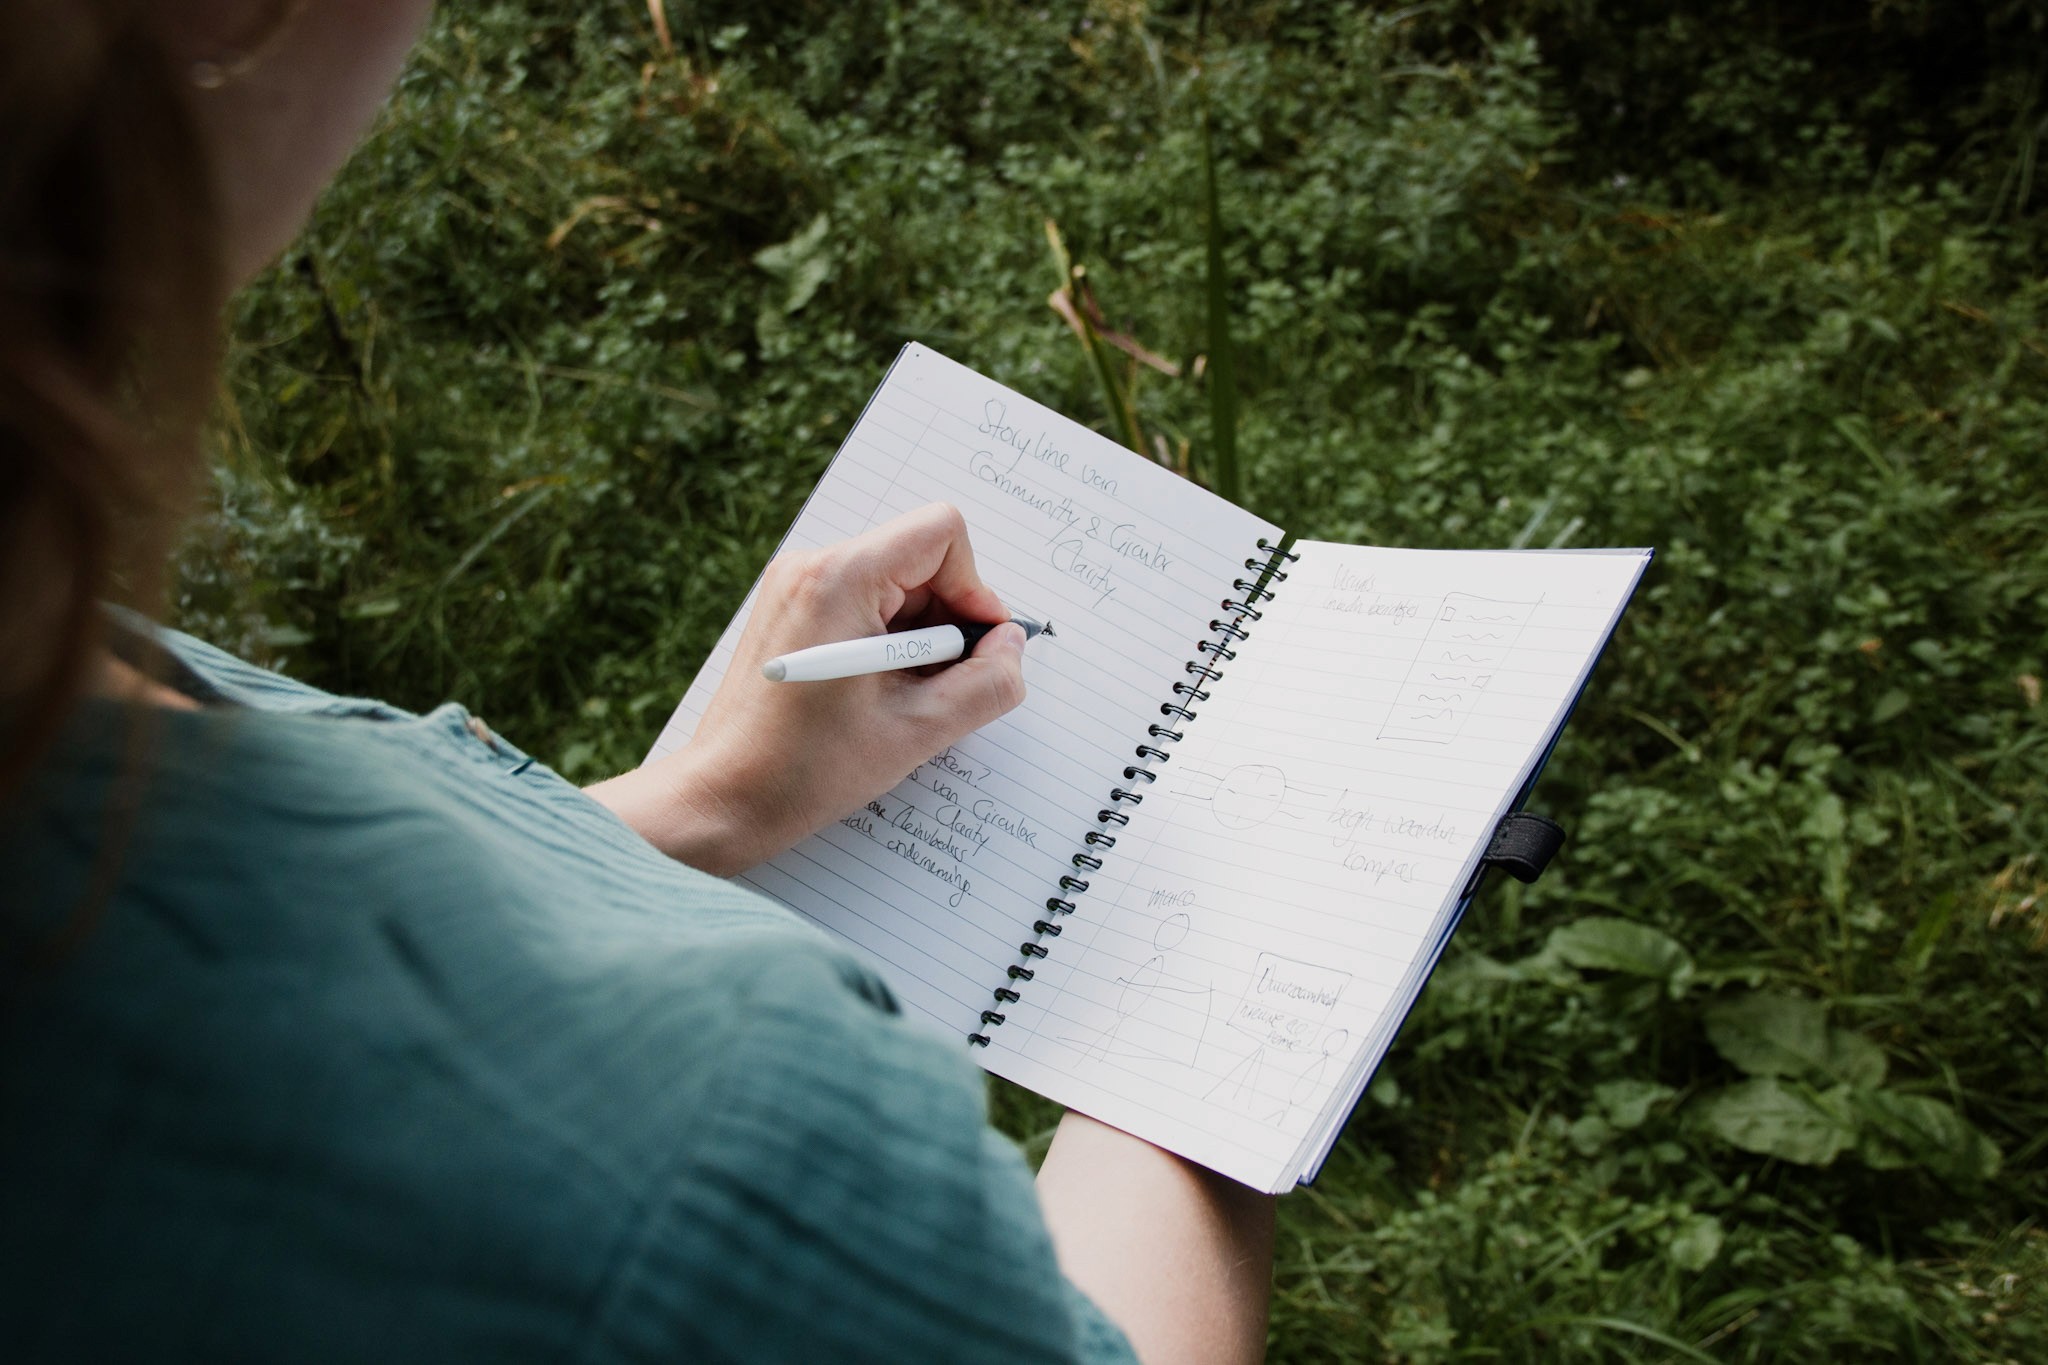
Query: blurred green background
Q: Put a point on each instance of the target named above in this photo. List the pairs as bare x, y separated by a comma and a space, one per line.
1759, 1070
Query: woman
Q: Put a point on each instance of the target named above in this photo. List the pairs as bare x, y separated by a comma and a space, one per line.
333, 1030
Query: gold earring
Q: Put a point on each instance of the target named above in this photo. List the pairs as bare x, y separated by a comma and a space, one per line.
249, 51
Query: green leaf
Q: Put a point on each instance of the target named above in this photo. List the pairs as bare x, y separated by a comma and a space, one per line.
1915, 1128
1771, 1118
1854, 1059
1827, 820
1628, 1103
1619, 945
1927, 931
1697, 1242
802, 263
370, 608
285, 636
1589, 1134
1769, 1034
1879, 1152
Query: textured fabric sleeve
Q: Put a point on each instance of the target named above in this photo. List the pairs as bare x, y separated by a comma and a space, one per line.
842, 1198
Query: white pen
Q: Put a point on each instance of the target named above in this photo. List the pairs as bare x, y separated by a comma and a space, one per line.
880, 653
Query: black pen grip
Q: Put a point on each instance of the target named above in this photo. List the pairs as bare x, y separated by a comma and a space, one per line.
971, 635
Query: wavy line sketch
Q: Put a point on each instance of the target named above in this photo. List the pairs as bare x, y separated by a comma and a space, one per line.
1436, 717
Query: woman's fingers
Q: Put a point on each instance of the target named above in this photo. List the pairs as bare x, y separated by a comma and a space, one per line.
924, 555
986, 685
771, 761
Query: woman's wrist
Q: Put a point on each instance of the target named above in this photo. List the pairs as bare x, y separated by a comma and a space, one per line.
676, 805
773, 762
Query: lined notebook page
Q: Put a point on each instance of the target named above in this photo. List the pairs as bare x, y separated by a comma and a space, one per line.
1276, 901
939, 881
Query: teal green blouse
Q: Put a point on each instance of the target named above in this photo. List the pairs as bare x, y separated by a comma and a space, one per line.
390, 1042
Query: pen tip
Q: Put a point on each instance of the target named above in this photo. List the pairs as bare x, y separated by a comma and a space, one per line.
1048, 629
774, 670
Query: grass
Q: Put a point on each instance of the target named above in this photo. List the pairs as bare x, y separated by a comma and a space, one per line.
521, 417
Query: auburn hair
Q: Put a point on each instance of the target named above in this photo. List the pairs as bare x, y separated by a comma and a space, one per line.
111, 286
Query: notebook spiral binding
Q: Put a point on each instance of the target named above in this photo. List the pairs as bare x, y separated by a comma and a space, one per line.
1203, 670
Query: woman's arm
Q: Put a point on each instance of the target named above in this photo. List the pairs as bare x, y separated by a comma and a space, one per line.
1179, 1257
774, 762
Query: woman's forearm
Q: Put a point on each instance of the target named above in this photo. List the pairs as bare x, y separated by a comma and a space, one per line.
1179, 1257
687, 818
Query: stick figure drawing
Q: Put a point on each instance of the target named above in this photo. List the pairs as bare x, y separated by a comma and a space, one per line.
1285, 1008
1160, 1016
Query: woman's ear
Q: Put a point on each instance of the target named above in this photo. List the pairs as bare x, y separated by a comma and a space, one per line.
282, 91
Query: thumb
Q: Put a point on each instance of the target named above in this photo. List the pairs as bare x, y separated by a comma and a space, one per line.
984, 686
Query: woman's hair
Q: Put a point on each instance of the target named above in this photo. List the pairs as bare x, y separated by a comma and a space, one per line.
111, 283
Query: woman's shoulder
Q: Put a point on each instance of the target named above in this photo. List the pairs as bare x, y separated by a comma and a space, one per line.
401, 909
295, 796
398, 1040
408, 1010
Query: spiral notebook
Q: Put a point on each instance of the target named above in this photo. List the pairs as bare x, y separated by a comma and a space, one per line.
1193, 884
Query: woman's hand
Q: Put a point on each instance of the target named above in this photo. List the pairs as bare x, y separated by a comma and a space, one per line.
774, 762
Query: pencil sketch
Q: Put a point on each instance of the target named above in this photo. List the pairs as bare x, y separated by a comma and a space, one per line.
1285, 1011
1467, 641
1307, 1091
1249, 795
1159, 1016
